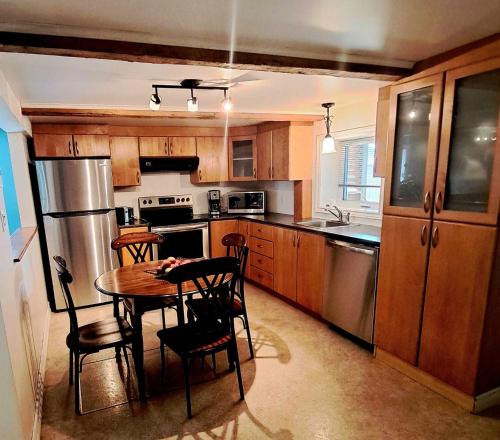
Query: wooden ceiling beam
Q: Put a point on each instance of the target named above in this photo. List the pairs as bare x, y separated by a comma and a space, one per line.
166, 54
150, 114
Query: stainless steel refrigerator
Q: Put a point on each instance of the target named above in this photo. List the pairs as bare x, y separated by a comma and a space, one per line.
77, 204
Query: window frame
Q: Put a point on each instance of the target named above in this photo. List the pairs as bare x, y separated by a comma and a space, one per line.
342, 136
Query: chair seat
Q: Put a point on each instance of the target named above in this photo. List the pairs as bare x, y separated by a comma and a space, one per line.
101, 334
191, 338
203, 308
152, 304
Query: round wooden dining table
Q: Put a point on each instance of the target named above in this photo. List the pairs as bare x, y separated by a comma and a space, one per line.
139, 283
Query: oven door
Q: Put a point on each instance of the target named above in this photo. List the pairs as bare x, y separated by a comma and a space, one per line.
187, 241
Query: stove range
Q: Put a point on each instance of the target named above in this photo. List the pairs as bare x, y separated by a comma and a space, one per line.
172, 217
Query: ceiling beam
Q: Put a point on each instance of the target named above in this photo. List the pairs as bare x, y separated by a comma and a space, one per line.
149, 114
165, 54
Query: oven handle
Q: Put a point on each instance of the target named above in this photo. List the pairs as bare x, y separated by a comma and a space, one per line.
180, 228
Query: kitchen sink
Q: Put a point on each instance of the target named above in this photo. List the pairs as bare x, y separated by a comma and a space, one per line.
321, 223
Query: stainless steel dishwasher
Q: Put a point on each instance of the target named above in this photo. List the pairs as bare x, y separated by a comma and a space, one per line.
350, 288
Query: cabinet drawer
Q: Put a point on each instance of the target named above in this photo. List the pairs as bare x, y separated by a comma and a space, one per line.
262, 262
262, 247
261, 230
261, 277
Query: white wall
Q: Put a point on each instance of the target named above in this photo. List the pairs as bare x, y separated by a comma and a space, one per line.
280, 194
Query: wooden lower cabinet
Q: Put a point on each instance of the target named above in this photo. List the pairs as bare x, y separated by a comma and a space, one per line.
310, 272
401, 285
127, 259
244, 229
218, 229
285, 262
455, 302
261, 277
125, 161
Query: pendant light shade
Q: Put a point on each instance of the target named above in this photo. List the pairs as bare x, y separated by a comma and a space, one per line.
155, 101
328, 141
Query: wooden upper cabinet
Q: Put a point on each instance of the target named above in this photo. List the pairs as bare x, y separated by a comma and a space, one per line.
125, 161
218, 229
280, 169
401, 285
310, 271
91, 145
381, 131
458, 279
243, 157
182, 146
414, 118
212, 152
53, 145
153, 146
468, 178
264, 155
285, 262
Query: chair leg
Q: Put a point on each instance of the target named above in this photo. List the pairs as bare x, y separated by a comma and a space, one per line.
71, 367
238, 369
214, 362
249, 336
117, 353
185, 367
78, 408
163, 320
230, 358
162, 355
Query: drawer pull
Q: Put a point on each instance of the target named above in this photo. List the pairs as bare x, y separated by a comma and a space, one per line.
260, 246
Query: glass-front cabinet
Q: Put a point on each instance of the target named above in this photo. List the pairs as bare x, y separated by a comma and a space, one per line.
468, 179
243, 158
414, 118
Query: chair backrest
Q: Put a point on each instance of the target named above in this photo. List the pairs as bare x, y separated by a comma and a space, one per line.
215, 279
65, 278
236, 245
138, 244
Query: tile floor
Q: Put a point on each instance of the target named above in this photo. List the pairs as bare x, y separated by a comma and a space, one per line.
306, 382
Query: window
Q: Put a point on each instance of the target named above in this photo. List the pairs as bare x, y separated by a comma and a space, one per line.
9, 188
346, 177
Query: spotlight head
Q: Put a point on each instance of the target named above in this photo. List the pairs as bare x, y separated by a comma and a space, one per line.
192, 104
226, 103
155, 101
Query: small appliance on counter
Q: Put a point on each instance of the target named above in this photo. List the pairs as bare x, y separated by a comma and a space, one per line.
124, 214
248, 202
214, 203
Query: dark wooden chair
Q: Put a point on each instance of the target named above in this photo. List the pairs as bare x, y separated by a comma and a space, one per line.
140, 246
91, 338
215, 280
235, 246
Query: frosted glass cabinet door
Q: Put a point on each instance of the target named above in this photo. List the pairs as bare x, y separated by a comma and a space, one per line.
468, 183
243, 158
414, 118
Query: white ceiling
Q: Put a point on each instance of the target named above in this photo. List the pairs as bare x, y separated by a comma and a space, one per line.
397, 32
53, 81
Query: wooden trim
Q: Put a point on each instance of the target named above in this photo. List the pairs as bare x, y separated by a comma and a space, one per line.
246, 130
149, 114
465, 401
461, 52
487, 48
69, 129
20, 241
381, 131
302, 200
167, 54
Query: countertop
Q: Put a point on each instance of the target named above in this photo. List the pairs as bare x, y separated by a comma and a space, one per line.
134, 223
354, 233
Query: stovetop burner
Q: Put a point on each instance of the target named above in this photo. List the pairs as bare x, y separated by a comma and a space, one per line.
166, 210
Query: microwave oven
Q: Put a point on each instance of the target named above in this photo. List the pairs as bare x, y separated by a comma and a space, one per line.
247, 202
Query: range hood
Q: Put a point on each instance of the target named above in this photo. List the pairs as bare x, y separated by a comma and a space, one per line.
158, 164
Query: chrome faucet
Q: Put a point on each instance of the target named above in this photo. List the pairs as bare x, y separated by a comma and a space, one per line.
338, 214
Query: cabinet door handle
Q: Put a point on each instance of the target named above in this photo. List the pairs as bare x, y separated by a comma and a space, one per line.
435, 236
272, 172
138, 177
298, 241
427, 201
254, 173
269, 172
71, 153
171, 148
438, 203
423, 235
293, 241
77, 152
199, 175
165, 148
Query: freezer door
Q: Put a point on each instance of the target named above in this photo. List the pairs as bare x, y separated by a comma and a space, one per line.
75, 185
84, 241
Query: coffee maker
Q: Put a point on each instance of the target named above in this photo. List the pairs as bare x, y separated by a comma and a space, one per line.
214, 203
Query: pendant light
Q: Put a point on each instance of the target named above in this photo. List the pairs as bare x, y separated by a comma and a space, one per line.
328, 141
155, 101
192, 103
227, 105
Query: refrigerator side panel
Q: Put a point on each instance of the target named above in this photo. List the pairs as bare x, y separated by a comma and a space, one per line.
75, 185
84, 241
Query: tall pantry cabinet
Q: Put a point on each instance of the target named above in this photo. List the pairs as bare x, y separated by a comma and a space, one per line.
438, 299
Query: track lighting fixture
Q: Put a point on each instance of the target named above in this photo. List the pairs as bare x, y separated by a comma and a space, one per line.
155, 101
192, 102
328, 141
